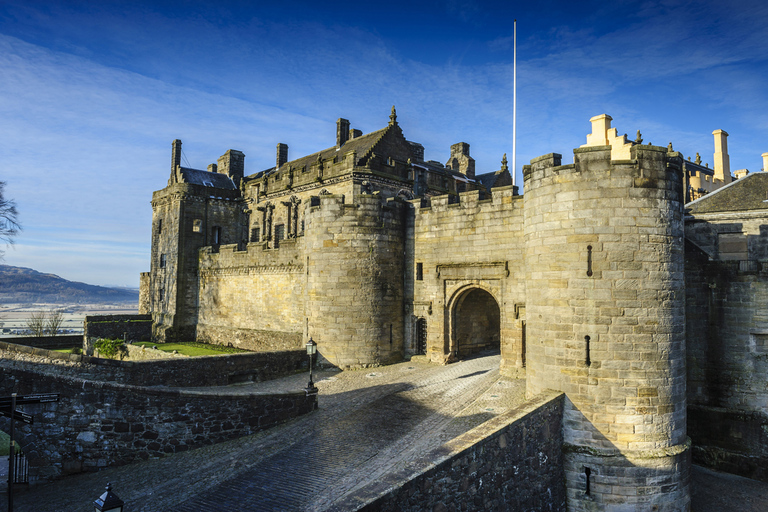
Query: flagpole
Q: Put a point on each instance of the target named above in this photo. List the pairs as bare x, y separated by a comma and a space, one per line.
514, 104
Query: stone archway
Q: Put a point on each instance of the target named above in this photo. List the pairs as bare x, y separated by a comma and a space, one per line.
476, 323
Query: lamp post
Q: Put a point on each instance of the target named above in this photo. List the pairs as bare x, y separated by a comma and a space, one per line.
311, 351
108, 502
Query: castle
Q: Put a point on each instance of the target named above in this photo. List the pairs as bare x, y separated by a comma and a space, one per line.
603, 281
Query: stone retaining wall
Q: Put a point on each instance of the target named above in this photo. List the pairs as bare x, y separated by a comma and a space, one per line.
61, 341
98, 424
512, 462
130, 327
177, 372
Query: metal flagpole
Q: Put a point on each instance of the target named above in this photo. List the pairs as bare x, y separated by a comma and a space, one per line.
514, 104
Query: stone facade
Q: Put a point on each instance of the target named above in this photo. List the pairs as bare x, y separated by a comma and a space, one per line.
378, 254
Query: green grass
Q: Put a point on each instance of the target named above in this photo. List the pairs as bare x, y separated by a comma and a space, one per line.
192, 348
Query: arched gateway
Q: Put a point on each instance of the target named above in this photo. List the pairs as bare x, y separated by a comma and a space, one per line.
476, 322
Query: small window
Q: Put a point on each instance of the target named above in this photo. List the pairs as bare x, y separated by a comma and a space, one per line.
216, 235
197, 226
255, 234
159, 226
161, 293
279, 234
162, 261
419, 271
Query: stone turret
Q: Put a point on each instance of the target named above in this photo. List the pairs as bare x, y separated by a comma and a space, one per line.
606, 321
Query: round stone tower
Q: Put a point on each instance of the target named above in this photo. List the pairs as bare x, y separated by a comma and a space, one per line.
354, 279
606, 322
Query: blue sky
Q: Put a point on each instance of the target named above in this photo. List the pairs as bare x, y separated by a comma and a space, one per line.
93, 93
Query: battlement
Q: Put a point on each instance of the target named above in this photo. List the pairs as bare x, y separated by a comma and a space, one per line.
472, 199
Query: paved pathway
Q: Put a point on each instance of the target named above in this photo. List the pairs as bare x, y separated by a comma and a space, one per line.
369, 422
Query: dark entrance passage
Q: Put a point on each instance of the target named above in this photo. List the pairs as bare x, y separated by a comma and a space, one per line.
477, 323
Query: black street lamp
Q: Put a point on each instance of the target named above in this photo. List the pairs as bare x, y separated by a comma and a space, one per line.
108, 502
311, 351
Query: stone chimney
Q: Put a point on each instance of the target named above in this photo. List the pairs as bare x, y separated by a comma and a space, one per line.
765, 162
232, 163
342, 131
600, 126
353, 133
722, 161
175, 155
282, 155
460, 160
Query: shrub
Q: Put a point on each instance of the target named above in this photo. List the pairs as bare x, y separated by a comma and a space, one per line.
110, 348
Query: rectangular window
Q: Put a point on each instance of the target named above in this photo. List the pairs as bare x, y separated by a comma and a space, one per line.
216, 235
161, 294
159, 226
255, 234
419, 271
197, 226
279, 234
162, 261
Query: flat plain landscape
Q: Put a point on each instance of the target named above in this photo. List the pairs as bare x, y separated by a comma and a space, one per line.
14, 317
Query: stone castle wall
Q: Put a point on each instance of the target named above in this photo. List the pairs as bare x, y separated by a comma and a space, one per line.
464, 246
606, 321
253, 299
128, 327
727, 335
512, 462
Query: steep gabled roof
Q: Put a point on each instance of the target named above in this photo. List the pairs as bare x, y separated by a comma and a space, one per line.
747, 193
500, 178
207, 179
364, 146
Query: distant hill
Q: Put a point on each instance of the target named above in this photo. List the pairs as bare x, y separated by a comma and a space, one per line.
25, 285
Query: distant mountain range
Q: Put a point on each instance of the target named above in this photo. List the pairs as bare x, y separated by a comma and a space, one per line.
25, 285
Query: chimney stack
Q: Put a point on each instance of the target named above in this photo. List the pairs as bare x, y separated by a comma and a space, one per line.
175, 155
232, 163
460, 160
765, 161
722, 161
342, 131
282, 155
353, 133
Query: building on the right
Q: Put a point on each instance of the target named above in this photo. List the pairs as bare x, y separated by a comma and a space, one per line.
726, 281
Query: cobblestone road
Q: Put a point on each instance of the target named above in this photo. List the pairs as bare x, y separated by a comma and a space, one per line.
369, 422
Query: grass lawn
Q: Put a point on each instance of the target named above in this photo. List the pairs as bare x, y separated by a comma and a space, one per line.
192, 348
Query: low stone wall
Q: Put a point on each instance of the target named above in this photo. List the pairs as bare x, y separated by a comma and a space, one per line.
730, 440
176, 372
512, 462
130, 327
98, 424
61, 341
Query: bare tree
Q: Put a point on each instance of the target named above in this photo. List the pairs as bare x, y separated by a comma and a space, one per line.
54, 321
36, 323
9, 220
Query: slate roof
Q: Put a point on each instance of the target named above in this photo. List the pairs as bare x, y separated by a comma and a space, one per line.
362, 145
500, 178
207, 179
747, 193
